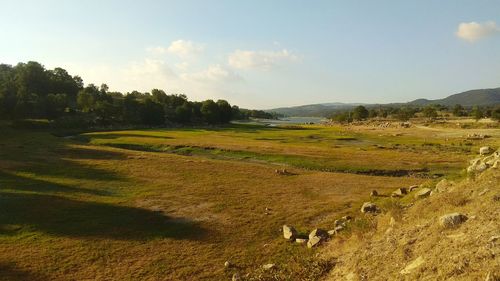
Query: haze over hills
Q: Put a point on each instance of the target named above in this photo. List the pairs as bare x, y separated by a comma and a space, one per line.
479, 97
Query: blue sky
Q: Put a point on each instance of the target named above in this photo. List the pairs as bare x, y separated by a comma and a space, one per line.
263, 54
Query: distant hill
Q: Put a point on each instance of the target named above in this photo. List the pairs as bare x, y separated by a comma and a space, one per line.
480, 97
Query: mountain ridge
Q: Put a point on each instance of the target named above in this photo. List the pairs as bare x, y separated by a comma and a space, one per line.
476, 97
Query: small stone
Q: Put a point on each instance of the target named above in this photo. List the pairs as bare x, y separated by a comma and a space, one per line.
318, 232
400, 192
452, 220
413, 265
485, 150
227, 264
314, 241
374, 193
483, 192
236, 277
493, 239
413, 187
369, 207
289, 232
269, 266
301, 240
347, 218
424, 192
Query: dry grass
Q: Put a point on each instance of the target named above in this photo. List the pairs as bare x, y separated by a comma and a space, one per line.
72, 210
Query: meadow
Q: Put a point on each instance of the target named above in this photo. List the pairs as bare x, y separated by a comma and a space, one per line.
175, 204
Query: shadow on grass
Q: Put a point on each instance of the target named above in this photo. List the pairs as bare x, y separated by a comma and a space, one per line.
11, 273
19, 183
65, 217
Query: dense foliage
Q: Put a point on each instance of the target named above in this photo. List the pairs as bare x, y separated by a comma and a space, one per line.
28, 90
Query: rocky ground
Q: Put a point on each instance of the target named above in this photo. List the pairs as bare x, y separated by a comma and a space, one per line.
447, 232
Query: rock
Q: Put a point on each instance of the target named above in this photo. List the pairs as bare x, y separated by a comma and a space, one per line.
347, 218
485, 150
316, 237
444, 186
227, 264
331, 232
340, 222
268, 266
400, 192
413, 265
301, 240
374, 193
424, 192
314, 241
413, 187
318, 232
452, 220
236, 277
289, 232
369, 207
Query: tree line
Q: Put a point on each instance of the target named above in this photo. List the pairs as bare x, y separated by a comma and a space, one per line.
405, 113
29, 91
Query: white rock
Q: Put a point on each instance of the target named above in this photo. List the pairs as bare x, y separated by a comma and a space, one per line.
369, 207
289, 232
268, 266
424, 192
413, 265
485, 150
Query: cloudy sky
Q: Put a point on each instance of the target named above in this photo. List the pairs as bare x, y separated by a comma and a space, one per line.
263, 54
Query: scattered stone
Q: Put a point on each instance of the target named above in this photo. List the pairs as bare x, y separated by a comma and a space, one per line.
369, 207
301, 240
316, 237
413, 265
424, 192
268, 266
227, 264
236, 277
452, 220
485, 150
289, 232
400, 192
374, 193
314, 241
340, 222
444, 186
347, 218
413, 187
331, 232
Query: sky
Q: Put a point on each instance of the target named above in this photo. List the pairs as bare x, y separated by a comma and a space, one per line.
263, 53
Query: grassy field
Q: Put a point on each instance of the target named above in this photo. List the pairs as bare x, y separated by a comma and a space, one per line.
175, 204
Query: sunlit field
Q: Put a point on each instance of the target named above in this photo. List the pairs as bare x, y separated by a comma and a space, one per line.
176, 204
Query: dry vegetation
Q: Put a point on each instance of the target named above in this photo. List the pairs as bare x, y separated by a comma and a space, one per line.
176, 204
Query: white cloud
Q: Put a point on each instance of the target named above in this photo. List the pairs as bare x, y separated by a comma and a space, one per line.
473, 31
259, 59
180, 48
214, 73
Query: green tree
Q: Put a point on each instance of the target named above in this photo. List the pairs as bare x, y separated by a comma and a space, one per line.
210, 112
360, 113
477, 113
430, 111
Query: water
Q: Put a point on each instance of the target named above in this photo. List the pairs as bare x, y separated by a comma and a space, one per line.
287, 121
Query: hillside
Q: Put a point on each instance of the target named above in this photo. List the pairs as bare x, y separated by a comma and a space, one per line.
480, 97
411, 240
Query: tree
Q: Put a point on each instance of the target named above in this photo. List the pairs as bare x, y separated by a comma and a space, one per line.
210, 112
458, 110
225, 111
477, 113
360, 113
430, 111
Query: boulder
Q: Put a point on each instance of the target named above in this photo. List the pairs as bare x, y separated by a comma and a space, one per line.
424, 192
485, 150
444, 186
452, 220
369, 207
374, 193
400, 192
413, 187
289, 232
